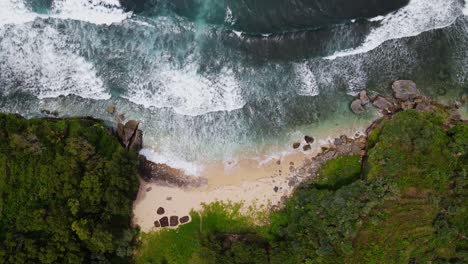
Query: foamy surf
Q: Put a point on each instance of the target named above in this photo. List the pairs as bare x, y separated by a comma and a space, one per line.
306, 81
45, 65
186, 91
415, 18
15, 12
93, 11
187, 167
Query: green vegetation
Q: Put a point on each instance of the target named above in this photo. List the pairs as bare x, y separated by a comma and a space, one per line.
338, 172
405, 202
66, 192
193, 243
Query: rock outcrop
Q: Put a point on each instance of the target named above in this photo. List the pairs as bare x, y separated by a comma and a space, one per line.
405, 90
356, 106
130, 136
167, 176
382, 103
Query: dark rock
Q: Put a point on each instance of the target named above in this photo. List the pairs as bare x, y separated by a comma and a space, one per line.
136, 143
149, 189
184, 219
276, 189
169, 198
296, 145
364, 97
111, 110
167, 176
164, 221
130, 136
157, 224
356, 107
338, 142
309, 139
307, 148
382, 103
174, 220
160, 211
405, 90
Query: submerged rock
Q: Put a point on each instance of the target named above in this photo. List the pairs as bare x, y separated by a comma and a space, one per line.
405, 90
307, 148
356, 106
111, 110
296, 145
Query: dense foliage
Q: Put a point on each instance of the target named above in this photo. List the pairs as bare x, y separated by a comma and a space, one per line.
66, 192
405, 202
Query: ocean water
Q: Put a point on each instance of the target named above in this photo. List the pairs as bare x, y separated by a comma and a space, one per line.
213, 80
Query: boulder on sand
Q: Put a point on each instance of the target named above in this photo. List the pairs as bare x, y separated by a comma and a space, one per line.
174, 220
184, 219
164, 221
160, 211
405, 90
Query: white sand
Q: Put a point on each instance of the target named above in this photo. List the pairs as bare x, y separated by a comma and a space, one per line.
250, 181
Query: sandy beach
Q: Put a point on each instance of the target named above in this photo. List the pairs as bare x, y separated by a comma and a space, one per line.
259, 182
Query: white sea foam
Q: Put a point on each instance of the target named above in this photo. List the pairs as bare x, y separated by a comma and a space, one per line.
306, 81
185, 90
189, 168
93, 11
417, 17
15, 12
44, 64
465, 10
228, 18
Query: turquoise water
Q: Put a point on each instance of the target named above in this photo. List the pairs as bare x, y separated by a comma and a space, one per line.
206, 88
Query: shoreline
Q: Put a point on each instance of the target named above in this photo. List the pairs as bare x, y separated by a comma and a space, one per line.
261, 184
258, 183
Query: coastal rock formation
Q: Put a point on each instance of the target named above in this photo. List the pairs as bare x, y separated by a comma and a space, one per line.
364, 97
167, 176
356, 106
309, 139
296, 145
130, 136
405, 90
382, 103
